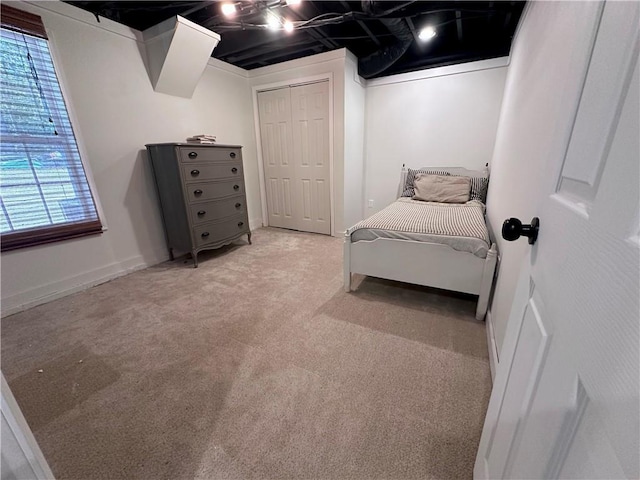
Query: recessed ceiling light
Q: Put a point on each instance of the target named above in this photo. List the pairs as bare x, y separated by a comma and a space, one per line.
288, 26
293, 2
427, 33
228, 9
273, 22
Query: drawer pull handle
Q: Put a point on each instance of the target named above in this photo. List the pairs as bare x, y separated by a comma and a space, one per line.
232, 154
204, 234
201, 213
197, 192
240, 224
238, 205
193, 154
236, 187
195, 173
234, 170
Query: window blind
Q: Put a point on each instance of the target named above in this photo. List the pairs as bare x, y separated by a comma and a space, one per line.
44, 194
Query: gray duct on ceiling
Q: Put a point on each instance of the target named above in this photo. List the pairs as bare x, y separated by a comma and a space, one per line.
379, 61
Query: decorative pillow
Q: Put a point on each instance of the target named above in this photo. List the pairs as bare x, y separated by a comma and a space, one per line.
443, 189
479, 188
411, 175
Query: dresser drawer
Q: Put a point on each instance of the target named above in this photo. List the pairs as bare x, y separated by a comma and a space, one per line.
197, 192
215, 232
209, 154
195, 172
208, 211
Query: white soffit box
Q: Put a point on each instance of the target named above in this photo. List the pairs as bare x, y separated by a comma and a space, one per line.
177, 53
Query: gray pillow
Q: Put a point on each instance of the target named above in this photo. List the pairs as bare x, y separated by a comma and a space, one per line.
479, 189
443, 189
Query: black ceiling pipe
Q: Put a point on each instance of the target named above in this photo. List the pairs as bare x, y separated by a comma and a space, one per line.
379, 61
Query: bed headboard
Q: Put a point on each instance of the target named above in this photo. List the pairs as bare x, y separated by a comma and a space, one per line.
460, 171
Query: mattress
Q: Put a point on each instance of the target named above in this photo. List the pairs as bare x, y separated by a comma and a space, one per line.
460, 226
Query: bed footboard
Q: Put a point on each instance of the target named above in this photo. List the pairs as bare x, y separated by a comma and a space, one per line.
487, 282
428, 264
347, 263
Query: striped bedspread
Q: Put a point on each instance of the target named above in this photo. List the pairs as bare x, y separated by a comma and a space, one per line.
447, 219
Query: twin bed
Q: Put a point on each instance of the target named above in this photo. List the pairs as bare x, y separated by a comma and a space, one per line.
442, 245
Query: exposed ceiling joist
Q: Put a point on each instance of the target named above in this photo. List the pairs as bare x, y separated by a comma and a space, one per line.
316, 33
413, 29
262, 42
362, 25
442, 60
273, 48
282, 53
507, 18
195, 9
459, 25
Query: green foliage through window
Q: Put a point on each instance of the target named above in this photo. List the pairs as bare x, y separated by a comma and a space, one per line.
42, 180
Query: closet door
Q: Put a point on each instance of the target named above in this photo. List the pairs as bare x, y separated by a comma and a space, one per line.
310, 128
274, 109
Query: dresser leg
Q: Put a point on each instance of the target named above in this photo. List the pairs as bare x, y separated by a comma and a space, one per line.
249, 237
195, 259
171, 254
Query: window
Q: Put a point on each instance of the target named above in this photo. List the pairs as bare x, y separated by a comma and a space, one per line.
44, 194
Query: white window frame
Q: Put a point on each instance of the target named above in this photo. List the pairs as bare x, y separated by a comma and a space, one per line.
75, 125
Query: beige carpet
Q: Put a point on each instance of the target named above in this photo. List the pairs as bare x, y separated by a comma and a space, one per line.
255, 365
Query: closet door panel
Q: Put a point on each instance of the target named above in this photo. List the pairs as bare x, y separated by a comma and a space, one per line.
274, 108
310, 128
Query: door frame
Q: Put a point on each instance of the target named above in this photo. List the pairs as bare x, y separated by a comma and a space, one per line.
19, 444
256, 121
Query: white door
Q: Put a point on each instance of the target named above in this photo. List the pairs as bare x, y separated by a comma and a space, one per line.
294, 128
274, 108
310, 115
565, 402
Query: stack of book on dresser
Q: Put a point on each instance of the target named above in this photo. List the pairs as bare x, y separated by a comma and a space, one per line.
202, 139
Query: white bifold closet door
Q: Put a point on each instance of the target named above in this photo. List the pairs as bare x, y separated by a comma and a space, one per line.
294, 127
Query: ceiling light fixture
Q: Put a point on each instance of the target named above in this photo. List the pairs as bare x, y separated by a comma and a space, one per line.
228, 9
273, 22
288, 26
427, 33
293, 2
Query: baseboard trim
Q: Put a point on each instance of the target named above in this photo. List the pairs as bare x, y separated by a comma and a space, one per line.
67, 286
491, 345
255, 223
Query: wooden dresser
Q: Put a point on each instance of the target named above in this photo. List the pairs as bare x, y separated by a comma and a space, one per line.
202, 195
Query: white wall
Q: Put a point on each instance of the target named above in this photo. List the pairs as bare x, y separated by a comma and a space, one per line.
116, 114
296, 71
541, 95
354, 125
439, 117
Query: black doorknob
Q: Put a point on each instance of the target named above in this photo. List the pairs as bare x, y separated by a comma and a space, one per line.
513, 228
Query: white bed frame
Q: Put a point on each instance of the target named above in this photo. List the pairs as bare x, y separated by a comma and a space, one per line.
423, 263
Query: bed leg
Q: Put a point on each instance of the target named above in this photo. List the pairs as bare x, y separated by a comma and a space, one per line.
347, 263
487, 282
